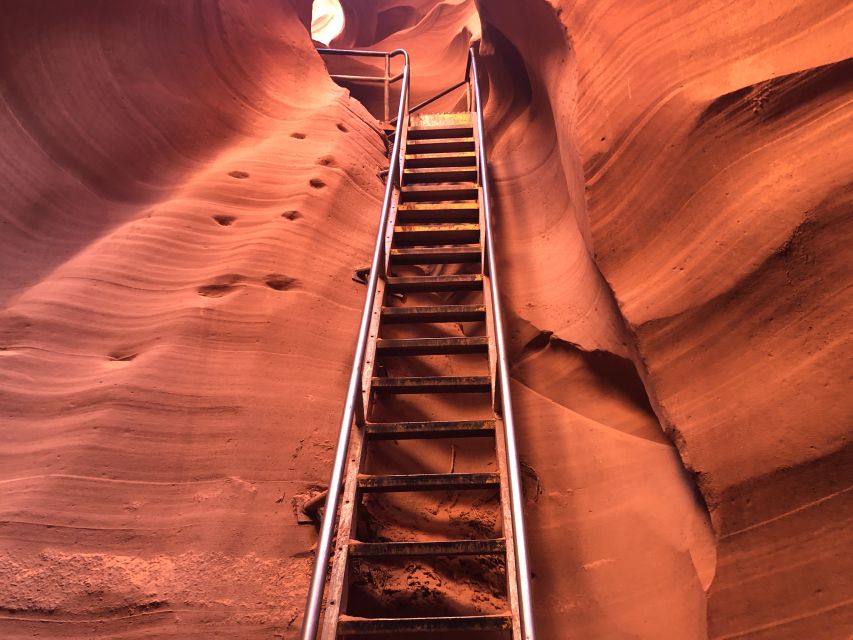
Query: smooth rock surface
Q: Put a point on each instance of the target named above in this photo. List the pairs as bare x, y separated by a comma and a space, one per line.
187, 196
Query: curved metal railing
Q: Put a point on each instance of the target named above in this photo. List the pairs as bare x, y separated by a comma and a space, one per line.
386, 78
311, 620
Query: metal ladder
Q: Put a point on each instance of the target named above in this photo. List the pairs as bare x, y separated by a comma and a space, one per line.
432, 292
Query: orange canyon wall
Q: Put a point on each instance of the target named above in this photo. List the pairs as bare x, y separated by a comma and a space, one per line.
186, 196
174, 333
703, 151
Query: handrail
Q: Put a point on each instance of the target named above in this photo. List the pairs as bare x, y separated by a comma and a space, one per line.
385, 79
444, 92
346, 78
311, 620
513, 468
364, 53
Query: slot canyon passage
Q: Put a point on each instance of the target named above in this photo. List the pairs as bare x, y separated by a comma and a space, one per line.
187, 194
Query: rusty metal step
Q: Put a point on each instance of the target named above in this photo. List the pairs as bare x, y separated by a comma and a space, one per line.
415, 212
437, 313
438, 193
411, 284
427, 482
433, 384
452, 159
439, 145
426, 234
439, 174
431, 346
430, 430
349, 625
487, 547
437, 255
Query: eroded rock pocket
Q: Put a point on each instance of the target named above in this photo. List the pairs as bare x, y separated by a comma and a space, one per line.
225, 221
221, 286
280, 282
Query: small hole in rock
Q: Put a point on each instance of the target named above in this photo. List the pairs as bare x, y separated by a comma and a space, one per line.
279, 282
317, 183
220, 286
326, 161
291, 215
225, 221
343, 128
298, 135
215, 290
121, 356
240, 175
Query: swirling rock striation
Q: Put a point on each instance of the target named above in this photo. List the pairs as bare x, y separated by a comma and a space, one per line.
703, 152
186, 196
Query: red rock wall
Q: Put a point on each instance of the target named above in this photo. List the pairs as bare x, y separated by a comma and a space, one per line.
185, 197
712, 144
174, 333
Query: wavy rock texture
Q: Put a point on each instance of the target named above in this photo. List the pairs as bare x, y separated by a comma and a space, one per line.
712, 143
186, 196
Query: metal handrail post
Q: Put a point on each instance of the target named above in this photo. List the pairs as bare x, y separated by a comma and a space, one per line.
387, 87
311, 619
513, 469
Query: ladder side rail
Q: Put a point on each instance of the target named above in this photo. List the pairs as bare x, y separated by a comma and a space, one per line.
311, 618
513, 468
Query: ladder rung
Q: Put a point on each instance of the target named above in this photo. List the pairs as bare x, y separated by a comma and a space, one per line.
430, 430
440, 145
441, 131
440, 174
420, 549
438, 212
415, 234
438, 313
468, 282
404, 207
349, 625
437, 193
433, 384
437, 255
428, 482
431, 346
452, 159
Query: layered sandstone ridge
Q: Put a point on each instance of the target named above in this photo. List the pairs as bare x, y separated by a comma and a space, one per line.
703, 152
186, 196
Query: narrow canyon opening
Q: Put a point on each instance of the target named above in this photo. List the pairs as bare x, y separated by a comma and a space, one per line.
327, 20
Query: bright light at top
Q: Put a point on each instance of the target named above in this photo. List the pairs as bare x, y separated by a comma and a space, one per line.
327, 20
